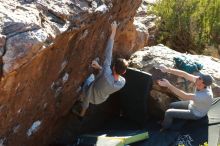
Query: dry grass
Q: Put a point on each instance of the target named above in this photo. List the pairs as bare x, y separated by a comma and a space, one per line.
212, 51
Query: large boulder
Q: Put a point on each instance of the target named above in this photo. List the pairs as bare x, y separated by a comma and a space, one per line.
46, 48
149, 58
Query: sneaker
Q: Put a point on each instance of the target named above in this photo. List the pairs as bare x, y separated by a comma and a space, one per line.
80, 99
77, 114
161, 125
160, 122
77, 107
162, 129
79, 89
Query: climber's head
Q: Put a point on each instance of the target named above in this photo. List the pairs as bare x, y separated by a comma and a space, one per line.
119, 66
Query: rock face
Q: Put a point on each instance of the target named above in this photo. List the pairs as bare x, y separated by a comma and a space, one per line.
139, 33
149, 58
46, 48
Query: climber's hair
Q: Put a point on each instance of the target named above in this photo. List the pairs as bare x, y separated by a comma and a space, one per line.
120, 65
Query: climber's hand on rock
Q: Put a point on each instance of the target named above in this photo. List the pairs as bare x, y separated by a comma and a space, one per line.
114, 26
96, 65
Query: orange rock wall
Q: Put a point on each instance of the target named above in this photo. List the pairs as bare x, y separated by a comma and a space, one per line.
39, 93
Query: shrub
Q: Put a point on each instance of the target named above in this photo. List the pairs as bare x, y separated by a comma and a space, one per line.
188, 24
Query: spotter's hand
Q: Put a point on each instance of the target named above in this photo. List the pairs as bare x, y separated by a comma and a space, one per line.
163, 82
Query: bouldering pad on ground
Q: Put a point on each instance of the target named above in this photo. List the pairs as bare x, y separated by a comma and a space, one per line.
112, 139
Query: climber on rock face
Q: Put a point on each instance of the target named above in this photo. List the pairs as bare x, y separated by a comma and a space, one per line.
96, 89
192, 105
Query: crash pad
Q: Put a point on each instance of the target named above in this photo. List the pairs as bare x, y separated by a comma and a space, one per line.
134, 95
112, 139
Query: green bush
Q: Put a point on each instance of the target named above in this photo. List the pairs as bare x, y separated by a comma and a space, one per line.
188, 24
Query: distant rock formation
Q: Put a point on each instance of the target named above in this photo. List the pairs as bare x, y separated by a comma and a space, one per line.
46, 47
149, 58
